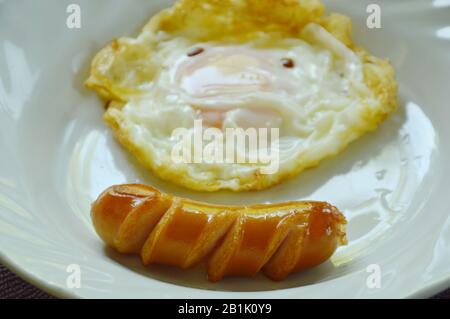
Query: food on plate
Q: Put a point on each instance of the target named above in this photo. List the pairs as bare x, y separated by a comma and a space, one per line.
233, 240
279, 65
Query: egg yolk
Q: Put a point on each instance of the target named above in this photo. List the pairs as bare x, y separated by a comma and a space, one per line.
224, 75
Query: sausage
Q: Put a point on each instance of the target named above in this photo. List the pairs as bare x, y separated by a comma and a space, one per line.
278, 239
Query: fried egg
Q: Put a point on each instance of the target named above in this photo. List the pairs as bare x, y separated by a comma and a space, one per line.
242, 64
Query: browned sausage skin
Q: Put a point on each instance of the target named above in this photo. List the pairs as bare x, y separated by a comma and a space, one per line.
233, 240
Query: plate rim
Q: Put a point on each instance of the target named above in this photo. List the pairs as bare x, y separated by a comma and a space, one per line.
62, 292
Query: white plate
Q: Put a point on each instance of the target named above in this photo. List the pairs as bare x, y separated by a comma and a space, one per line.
57, 156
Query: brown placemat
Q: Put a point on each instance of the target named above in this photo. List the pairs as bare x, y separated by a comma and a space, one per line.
12, 287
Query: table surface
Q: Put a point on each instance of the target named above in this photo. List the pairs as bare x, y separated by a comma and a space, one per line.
13, 287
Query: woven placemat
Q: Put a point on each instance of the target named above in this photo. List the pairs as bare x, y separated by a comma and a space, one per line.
12, 287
